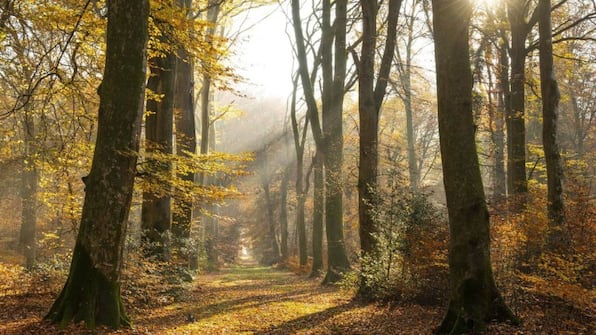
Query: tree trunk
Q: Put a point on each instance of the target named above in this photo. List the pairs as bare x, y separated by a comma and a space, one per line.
283, 214
517, 184
550, 110
370, 98
186, 143
334, 72
92, 290
301, 190
209, 224
318, 217
29, 180
503, 101
329, 138
474, 298
273, 257
156, 214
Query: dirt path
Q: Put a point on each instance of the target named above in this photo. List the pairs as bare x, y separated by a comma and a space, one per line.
261, 300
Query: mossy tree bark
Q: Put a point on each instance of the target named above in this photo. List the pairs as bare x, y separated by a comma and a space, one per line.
92, 290
474, 298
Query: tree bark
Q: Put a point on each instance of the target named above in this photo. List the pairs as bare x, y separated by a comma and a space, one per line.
550, 110
329, 138
283, 214
370, 99
209, 224
474, 298
318, 217
92, 290
301, 189
29, 180
517, 184
156, 213
503, 101
186, 143
273, 257
334, 72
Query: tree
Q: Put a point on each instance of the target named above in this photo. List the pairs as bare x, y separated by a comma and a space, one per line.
318, 216
517, 184
92, 290
209, 223
550, 106
186, 142
370, 98
474, 298
156, 214
405, 69
329, 138
301, 189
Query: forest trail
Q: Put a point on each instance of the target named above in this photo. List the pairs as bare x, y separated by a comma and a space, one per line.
249, 299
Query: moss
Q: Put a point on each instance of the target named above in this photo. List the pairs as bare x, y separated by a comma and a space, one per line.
88, 296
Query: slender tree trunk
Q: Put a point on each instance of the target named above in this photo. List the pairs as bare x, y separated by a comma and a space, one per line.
301, 190
318, 217
370, 98
517, 184
209, 224
329, 138
29, 180
283, 214
156, 214
334, 72
186, 143
92, 290
474, 298
273, 258
550, 110
500, 182
406, 77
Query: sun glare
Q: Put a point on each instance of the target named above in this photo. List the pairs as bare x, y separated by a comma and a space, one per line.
486, 3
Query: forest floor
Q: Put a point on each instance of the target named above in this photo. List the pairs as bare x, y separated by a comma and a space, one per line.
249, 299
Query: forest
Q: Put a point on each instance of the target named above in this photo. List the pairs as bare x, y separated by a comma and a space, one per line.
297, 167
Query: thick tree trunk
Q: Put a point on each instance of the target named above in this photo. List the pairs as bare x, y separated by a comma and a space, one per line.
29, 180
156, 214
318, 217
550, 110
474, 298
92, 290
